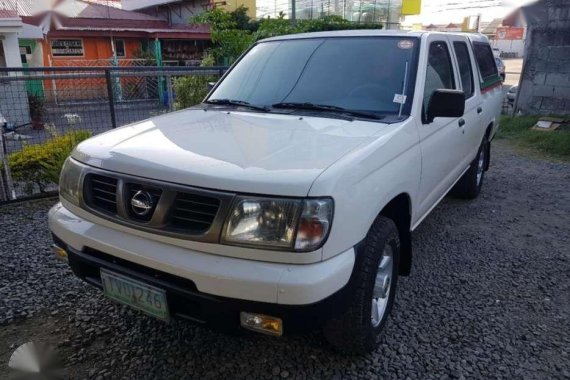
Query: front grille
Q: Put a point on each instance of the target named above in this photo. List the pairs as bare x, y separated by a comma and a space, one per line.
193, 213
101, 193
157, 207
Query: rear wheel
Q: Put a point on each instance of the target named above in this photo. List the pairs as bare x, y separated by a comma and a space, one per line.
356, 331
469, 186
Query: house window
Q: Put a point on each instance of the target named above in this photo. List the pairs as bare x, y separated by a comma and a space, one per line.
120, 48
24, 52
67, 48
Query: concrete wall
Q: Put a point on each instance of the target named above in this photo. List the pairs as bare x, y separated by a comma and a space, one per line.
11, 49
13, 95
545, 82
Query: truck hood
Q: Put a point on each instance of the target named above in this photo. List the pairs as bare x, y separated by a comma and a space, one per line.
236, 151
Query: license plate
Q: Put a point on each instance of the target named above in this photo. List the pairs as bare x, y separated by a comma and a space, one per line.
136, 294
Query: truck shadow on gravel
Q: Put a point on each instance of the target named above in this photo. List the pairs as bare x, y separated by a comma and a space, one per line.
487, 298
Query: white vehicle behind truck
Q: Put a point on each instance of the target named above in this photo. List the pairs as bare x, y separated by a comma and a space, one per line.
286, 201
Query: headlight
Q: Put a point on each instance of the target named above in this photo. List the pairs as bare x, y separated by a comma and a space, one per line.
279, 223
70, 181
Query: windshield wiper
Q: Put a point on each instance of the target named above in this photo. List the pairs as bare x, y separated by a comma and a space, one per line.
326, 107
237, 103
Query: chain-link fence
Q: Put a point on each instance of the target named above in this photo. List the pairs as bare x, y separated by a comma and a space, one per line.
43, 109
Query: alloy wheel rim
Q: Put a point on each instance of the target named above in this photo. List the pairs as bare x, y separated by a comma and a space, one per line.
382, 286
480, 166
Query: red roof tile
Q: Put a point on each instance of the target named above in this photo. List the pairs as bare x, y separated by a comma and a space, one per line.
103, 24
8, 13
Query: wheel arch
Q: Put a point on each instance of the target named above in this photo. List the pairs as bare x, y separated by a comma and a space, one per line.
399, 210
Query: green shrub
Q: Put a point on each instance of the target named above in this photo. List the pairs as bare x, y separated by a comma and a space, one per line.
518, 130
191, 90
233, 32
40, 164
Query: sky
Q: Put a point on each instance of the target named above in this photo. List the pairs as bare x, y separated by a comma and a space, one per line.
446, 11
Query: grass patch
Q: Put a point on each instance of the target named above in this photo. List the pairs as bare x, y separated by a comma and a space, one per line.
555, 144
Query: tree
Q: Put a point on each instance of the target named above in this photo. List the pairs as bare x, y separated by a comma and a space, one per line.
233, 32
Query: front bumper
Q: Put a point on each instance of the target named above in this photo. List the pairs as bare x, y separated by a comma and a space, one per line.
207, 288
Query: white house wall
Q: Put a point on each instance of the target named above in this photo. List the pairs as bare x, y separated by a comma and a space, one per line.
13, 95
510, 46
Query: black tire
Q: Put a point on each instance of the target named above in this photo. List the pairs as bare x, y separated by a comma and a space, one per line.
469, 186
353, 332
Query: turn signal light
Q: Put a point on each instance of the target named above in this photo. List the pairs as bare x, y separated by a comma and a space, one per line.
264, 324
59, 253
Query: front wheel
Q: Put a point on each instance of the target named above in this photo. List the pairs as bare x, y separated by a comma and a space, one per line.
356, 331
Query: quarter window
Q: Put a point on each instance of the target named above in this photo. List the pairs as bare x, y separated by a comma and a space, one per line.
485, 61
439, 73
465, 68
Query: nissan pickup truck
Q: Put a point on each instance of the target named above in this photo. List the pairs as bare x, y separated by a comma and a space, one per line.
286, 200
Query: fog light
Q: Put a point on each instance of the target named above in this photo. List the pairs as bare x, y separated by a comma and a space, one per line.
60, 253
262, 323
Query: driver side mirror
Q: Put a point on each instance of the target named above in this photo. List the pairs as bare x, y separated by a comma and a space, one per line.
445, 103
211, 85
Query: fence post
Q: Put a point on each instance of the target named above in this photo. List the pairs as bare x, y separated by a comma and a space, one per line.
170, 93
6, 184
111, 98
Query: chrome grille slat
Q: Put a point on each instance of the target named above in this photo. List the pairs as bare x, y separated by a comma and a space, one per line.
101, 192
104, 191
104, 183
195, 211
191, 220
199, 203
104, 199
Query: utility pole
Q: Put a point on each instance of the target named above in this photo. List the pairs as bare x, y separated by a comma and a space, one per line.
293, 11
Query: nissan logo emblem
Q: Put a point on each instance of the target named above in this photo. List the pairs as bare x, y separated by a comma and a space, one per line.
142, 203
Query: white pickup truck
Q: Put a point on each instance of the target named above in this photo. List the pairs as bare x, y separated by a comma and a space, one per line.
286, 200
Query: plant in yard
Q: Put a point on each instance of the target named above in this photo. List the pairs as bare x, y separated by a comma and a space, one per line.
36, 106
227, 33
233, 32
40, 164
192, 89
517, 129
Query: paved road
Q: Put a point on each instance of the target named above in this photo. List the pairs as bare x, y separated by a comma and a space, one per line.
488, 298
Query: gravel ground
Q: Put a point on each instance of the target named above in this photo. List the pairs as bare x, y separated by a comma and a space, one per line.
488, 298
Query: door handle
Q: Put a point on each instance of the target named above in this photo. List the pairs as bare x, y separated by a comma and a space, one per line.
461, 122
479, 109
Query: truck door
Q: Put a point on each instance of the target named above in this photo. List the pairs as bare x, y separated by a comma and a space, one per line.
472, 121
441, 140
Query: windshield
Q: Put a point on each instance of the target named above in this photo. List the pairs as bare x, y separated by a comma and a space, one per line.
357, 74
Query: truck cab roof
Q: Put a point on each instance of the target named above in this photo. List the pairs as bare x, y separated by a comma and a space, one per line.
375, 33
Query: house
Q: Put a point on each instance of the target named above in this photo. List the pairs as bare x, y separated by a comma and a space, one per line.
10, 26
451, 27
508, 34
13, 98
90, 33
545, 83
72, 33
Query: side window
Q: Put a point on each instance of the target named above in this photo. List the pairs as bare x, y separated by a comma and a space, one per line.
439, 73
485, 61
465, 68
